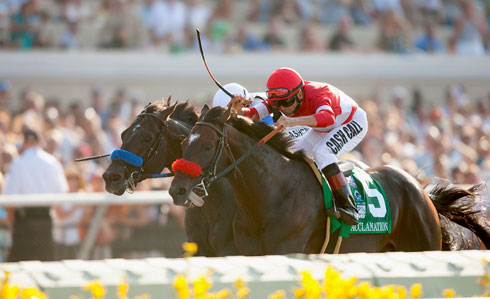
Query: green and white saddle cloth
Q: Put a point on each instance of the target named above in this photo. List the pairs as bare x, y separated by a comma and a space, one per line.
371, 202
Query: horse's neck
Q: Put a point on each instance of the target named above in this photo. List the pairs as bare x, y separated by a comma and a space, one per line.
262, 176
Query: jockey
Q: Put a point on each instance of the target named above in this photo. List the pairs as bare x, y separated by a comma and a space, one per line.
222, 99
334, 122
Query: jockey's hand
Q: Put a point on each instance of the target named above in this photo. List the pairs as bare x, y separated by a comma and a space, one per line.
285, 121
237, 103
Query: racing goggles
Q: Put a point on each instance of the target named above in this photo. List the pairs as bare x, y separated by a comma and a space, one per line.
281, 92
287, 102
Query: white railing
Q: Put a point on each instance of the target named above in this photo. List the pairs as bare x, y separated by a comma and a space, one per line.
92, 198
101, 199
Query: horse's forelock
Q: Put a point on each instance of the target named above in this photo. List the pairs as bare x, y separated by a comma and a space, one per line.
184, 112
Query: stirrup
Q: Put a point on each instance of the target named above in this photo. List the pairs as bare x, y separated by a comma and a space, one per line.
349, 218
333, 213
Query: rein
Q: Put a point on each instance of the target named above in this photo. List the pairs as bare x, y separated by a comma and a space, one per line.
212, 176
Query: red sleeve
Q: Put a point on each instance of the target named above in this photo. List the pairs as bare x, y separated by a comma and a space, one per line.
321, 100
250, 112
324, 118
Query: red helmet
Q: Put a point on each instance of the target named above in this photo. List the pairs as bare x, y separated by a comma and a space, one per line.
283, 83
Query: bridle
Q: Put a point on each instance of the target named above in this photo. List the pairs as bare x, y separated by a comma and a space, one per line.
209, 174
137, 174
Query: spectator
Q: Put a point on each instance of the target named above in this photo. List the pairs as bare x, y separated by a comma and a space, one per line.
383, 7
122, 28
97, 100
429, 42
198, 14
394, 33
102, 247
341, 40
34, 172
25, 26
470, 31
220, 26
166, 21
6, 220
69, 39
309, 41
5, 95
273, 37
361, 12
67, 219
76, 11
332, 11
249, 41
260, 11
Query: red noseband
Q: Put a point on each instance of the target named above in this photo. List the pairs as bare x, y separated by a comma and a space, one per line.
190, 168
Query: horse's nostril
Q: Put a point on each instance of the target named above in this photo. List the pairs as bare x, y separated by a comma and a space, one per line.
114, 177
182, 191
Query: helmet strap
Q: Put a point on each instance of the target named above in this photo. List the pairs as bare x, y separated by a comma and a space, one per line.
299, 101
297, 106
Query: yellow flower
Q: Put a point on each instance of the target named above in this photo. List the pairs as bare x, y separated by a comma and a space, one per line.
9, 291
190, 249
32, 293
449, 293
201, 285
123, 289
299, 293
240, 284
402, 292
222, 294
96, 288
280, 294
243, 293
311, 286
416, 290
180, 283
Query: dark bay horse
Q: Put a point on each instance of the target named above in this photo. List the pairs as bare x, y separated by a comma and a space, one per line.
280, 206
155, 136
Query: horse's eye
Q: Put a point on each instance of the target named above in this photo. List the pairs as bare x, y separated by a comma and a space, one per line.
148, 139
208, 147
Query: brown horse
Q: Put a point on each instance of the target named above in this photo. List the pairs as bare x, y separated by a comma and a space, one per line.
155, 136
280, 206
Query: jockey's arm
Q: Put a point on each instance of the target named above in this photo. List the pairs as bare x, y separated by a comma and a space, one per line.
308, 120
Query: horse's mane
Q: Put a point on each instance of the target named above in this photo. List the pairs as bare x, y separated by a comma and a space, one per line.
255, 130
184, 112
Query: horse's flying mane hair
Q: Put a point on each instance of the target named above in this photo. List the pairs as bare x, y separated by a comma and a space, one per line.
256, 130
184, 111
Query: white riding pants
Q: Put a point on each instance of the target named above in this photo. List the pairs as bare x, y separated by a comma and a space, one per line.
326, 148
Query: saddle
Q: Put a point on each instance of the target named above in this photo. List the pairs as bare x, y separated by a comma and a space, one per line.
345, 166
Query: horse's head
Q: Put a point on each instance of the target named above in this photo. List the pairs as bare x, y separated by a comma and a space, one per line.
153, 138
204, 155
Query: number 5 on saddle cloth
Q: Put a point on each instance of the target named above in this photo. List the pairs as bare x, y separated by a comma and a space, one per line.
371, 202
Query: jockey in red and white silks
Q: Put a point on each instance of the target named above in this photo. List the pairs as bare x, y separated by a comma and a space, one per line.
341, 124
322, 120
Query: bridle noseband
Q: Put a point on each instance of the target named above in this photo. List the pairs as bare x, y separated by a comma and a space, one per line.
137, 175
209, 174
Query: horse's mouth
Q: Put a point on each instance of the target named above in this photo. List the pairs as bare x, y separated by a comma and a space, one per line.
116, 189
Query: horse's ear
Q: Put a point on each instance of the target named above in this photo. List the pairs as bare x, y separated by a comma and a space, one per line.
168, 100
172, 110
226, 115
204, 110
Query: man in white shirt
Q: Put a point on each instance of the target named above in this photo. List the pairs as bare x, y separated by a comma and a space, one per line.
33, 172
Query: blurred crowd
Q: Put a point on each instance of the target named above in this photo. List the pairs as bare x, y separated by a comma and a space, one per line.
67, 133
395, 26
449, 141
